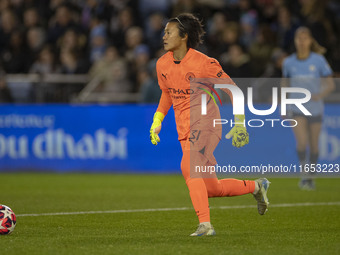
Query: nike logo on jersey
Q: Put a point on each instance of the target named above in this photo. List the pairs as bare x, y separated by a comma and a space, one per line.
164, 75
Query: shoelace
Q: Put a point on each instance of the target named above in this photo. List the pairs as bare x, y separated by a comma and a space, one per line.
199, 228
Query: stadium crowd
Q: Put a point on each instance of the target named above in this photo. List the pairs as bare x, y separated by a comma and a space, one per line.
119, 41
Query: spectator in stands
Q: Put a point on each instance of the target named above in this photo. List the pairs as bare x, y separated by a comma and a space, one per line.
313, 16
112, 72
60, 23
182, 6
118, 81
274, 67
147, 7
154, 32
35, 41
285, 29
119, 25
50, 10
72, 40
249, 22
46, 62
5, 93
4, 5
134, 47
230, 36
9, 23
267, 10
133, 38
31, 18
237, 62
54, 4
14, 58
102, 67
148, 84
261, 50
70, 63
95, 8
97, 38
216, 27
140, 62
141, 57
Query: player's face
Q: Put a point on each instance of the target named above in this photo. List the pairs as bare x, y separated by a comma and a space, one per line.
303, 41
171, 38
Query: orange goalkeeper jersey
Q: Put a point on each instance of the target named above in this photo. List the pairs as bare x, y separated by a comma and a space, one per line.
174, 80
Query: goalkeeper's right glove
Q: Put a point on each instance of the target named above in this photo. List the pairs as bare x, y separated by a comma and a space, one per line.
157, 124
239, 132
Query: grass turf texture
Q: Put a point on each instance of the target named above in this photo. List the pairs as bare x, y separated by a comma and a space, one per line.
283, 230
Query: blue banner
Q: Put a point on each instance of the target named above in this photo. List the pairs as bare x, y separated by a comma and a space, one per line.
116, 138
85, 138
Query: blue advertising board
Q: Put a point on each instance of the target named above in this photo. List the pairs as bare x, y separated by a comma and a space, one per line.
86, 138
115, 138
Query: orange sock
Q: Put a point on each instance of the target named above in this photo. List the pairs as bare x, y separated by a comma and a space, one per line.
199, 198
197, 190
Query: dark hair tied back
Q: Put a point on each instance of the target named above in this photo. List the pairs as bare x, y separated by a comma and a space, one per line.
190, 25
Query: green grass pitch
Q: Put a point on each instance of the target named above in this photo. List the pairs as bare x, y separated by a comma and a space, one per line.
290, 229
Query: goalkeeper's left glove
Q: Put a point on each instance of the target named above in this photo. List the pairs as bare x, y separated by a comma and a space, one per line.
156, 127
239, 132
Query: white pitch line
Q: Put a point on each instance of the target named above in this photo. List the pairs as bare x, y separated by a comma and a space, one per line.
177, 209
110, 211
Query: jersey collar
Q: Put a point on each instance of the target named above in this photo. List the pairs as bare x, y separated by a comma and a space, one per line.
186, 57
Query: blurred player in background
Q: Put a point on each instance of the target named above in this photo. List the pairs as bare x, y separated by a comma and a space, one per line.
304, 69
180, 65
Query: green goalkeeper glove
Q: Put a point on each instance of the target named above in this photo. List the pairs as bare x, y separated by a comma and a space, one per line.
156, 127
239, 132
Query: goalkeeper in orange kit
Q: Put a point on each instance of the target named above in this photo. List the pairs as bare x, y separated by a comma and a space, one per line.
179, 68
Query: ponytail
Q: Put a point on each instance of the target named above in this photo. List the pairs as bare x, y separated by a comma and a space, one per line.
315, 47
